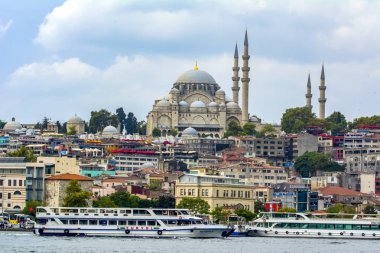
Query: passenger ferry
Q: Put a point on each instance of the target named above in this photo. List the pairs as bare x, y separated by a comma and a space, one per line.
316, 226
126, 222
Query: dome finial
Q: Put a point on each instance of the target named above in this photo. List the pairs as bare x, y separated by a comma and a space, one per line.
196, 65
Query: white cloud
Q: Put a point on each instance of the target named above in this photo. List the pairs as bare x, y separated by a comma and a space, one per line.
5, 27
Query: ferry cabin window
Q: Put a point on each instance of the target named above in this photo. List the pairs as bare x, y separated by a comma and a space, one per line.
183, 222
157, 212
41, 221
103, 222
83, 222
184, 212
140, 212
141, 223
93, 222
112, 222
73, 222
172, 222
151, 223
131, 223
64, 221
122, 222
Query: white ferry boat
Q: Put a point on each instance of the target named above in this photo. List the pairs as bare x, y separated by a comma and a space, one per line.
126, 222
316, 226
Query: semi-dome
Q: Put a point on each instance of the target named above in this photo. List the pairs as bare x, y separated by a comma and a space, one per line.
174, 91
220, 92
196, 76
189, 132
183, 103
228, 99
109, 130
213, 104
12, 125
75, 119
163, 103
232, 105
197, 104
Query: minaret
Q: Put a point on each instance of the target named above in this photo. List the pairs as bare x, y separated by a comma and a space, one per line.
308, 94
322, 98
235, 78
245, 81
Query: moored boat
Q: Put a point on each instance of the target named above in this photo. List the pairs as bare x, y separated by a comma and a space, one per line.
125, 222
316, 226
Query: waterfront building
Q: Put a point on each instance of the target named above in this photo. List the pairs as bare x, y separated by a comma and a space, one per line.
12, 183
218, 191
56, 187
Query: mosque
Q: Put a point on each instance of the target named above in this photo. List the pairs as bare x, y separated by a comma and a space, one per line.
196, 104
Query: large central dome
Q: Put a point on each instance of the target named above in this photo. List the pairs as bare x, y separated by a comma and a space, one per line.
196, 76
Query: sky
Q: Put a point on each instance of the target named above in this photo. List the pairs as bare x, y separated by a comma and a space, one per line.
61, 58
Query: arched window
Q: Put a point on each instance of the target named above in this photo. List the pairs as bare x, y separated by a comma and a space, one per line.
17, 193
16, 207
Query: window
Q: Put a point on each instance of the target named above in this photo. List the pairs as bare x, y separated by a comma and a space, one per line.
9, 195
151, 223
17, 193
122, 222
132, 223
112, 222
142, 223
14, 182
83, 222
9, 182
73, 222
93, 222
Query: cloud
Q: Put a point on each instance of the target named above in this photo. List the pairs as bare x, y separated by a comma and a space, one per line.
5, 27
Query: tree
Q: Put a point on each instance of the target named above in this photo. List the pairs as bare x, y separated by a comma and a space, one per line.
247, 214
339, 208
72, 131
310, 162
64, 128
287, 210
259, 207
104, 202
31, 206
249, 129
75, 196
373, 121
234, 129
294, 120
122, 117
173, 132
219, 214
2, 124
59, 126
196, 205
131, 124
266, 130
100, 119
45, 122
125, 199
23, 152
369, 209
166, 201
156, 132
38, 126
141, 127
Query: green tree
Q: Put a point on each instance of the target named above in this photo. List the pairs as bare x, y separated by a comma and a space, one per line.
249, 129
287, 210
122, 117
247, 214
23, 152
219, 214
196, 205
369, 209
101, 119
38, 126
72, 131
141, 127
104, 202
59, 126
310, 162
75, 196
294, 120
2, 124
125, 199
45, 122
131, 124
156, 132
266, 130
173, 132
372, 120
259, 207
31, 206
234, 129
64, 128
166, 201
339, 208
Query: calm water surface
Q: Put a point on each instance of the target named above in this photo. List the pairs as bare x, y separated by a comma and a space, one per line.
27, 242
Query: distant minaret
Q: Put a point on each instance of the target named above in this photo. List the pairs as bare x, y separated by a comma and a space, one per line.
308, 94
235, 78
322, 98
245, 81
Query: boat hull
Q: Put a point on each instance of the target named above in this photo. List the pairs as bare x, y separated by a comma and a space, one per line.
343, 234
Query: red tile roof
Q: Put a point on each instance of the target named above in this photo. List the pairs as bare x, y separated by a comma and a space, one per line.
68, 176
340, 191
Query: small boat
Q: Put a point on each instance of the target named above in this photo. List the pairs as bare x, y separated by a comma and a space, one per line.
348, 226
124, 222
